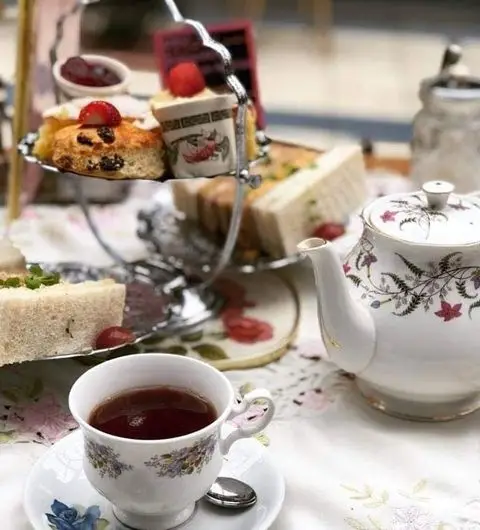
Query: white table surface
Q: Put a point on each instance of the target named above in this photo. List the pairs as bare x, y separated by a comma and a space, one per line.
345, 466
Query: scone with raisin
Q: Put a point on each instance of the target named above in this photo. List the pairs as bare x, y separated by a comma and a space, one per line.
104, 145
66, 114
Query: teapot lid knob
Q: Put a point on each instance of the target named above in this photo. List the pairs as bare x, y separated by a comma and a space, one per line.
437, 192
451, 56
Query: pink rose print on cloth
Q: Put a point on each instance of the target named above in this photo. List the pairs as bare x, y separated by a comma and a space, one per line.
30, 413
44, 420
449, 312
325, 392
388, 216
346, 268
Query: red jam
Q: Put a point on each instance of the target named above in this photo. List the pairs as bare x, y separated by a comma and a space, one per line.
78, 71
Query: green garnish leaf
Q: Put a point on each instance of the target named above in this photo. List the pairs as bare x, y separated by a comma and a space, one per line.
12, 282
51, 279
36, 270
32, 282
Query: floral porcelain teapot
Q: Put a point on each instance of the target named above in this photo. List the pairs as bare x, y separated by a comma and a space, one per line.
403, 313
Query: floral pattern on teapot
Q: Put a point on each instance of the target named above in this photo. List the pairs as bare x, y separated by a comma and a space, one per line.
448, 289
416, 211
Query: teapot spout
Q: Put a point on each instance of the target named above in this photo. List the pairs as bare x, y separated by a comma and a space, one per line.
347, 327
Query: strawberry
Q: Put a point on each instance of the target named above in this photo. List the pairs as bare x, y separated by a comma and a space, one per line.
329, 231
113, 336
185, 80
99, 113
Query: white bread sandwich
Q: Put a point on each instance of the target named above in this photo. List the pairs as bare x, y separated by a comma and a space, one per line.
42, 316
302, 189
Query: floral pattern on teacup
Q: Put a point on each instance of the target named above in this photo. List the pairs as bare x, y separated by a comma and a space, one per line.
105, 460
63, 517
184, 461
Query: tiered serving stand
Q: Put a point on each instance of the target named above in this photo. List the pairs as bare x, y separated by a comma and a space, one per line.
173, 291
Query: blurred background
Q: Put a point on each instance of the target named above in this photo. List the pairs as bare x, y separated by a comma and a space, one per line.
329, 69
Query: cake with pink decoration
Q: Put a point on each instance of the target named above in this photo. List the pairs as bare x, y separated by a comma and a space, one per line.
186, 82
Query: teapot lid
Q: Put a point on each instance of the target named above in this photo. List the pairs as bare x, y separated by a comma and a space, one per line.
432, 216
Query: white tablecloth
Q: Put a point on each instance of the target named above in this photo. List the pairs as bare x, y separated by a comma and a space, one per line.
346, 466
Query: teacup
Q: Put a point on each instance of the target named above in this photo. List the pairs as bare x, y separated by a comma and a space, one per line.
154, 484
199, 135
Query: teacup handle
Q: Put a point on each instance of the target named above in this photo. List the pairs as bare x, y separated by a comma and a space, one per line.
255, 426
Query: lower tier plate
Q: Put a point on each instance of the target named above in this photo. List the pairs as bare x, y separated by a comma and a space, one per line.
184, 245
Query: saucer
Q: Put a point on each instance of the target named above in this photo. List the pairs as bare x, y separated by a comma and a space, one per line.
58, 495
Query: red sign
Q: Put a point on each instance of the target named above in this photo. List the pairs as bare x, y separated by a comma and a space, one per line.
177, 45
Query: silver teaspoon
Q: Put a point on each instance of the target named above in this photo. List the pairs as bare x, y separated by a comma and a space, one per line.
231, 493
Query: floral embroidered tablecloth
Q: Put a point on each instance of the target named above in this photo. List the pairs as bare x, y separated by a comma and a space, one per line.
346, 466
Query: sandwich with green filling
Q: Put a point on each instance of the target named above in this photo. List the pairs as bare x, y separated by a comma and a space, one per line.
43, 316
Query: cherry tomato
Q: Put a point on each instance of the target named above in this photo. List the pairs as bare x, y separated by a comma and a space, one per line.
329, 231
114, 336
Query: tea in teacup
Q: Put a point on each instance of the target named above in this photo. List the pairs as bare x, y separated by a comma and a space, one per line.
153, 413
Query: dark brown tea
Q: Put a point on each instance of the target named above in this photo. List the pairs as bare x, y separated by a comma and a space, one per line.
153, 413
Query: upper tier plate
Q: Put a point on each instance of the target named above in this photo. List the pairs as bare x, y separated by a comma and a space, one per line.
27, 143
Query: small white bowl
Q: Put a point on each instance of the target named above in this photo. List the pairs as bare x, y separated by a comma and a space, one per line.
74, 90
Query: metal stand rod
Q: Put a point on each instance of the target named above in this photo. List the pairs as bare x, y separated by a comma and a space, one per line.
20, 117
85, 207
81, 198
242, 174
